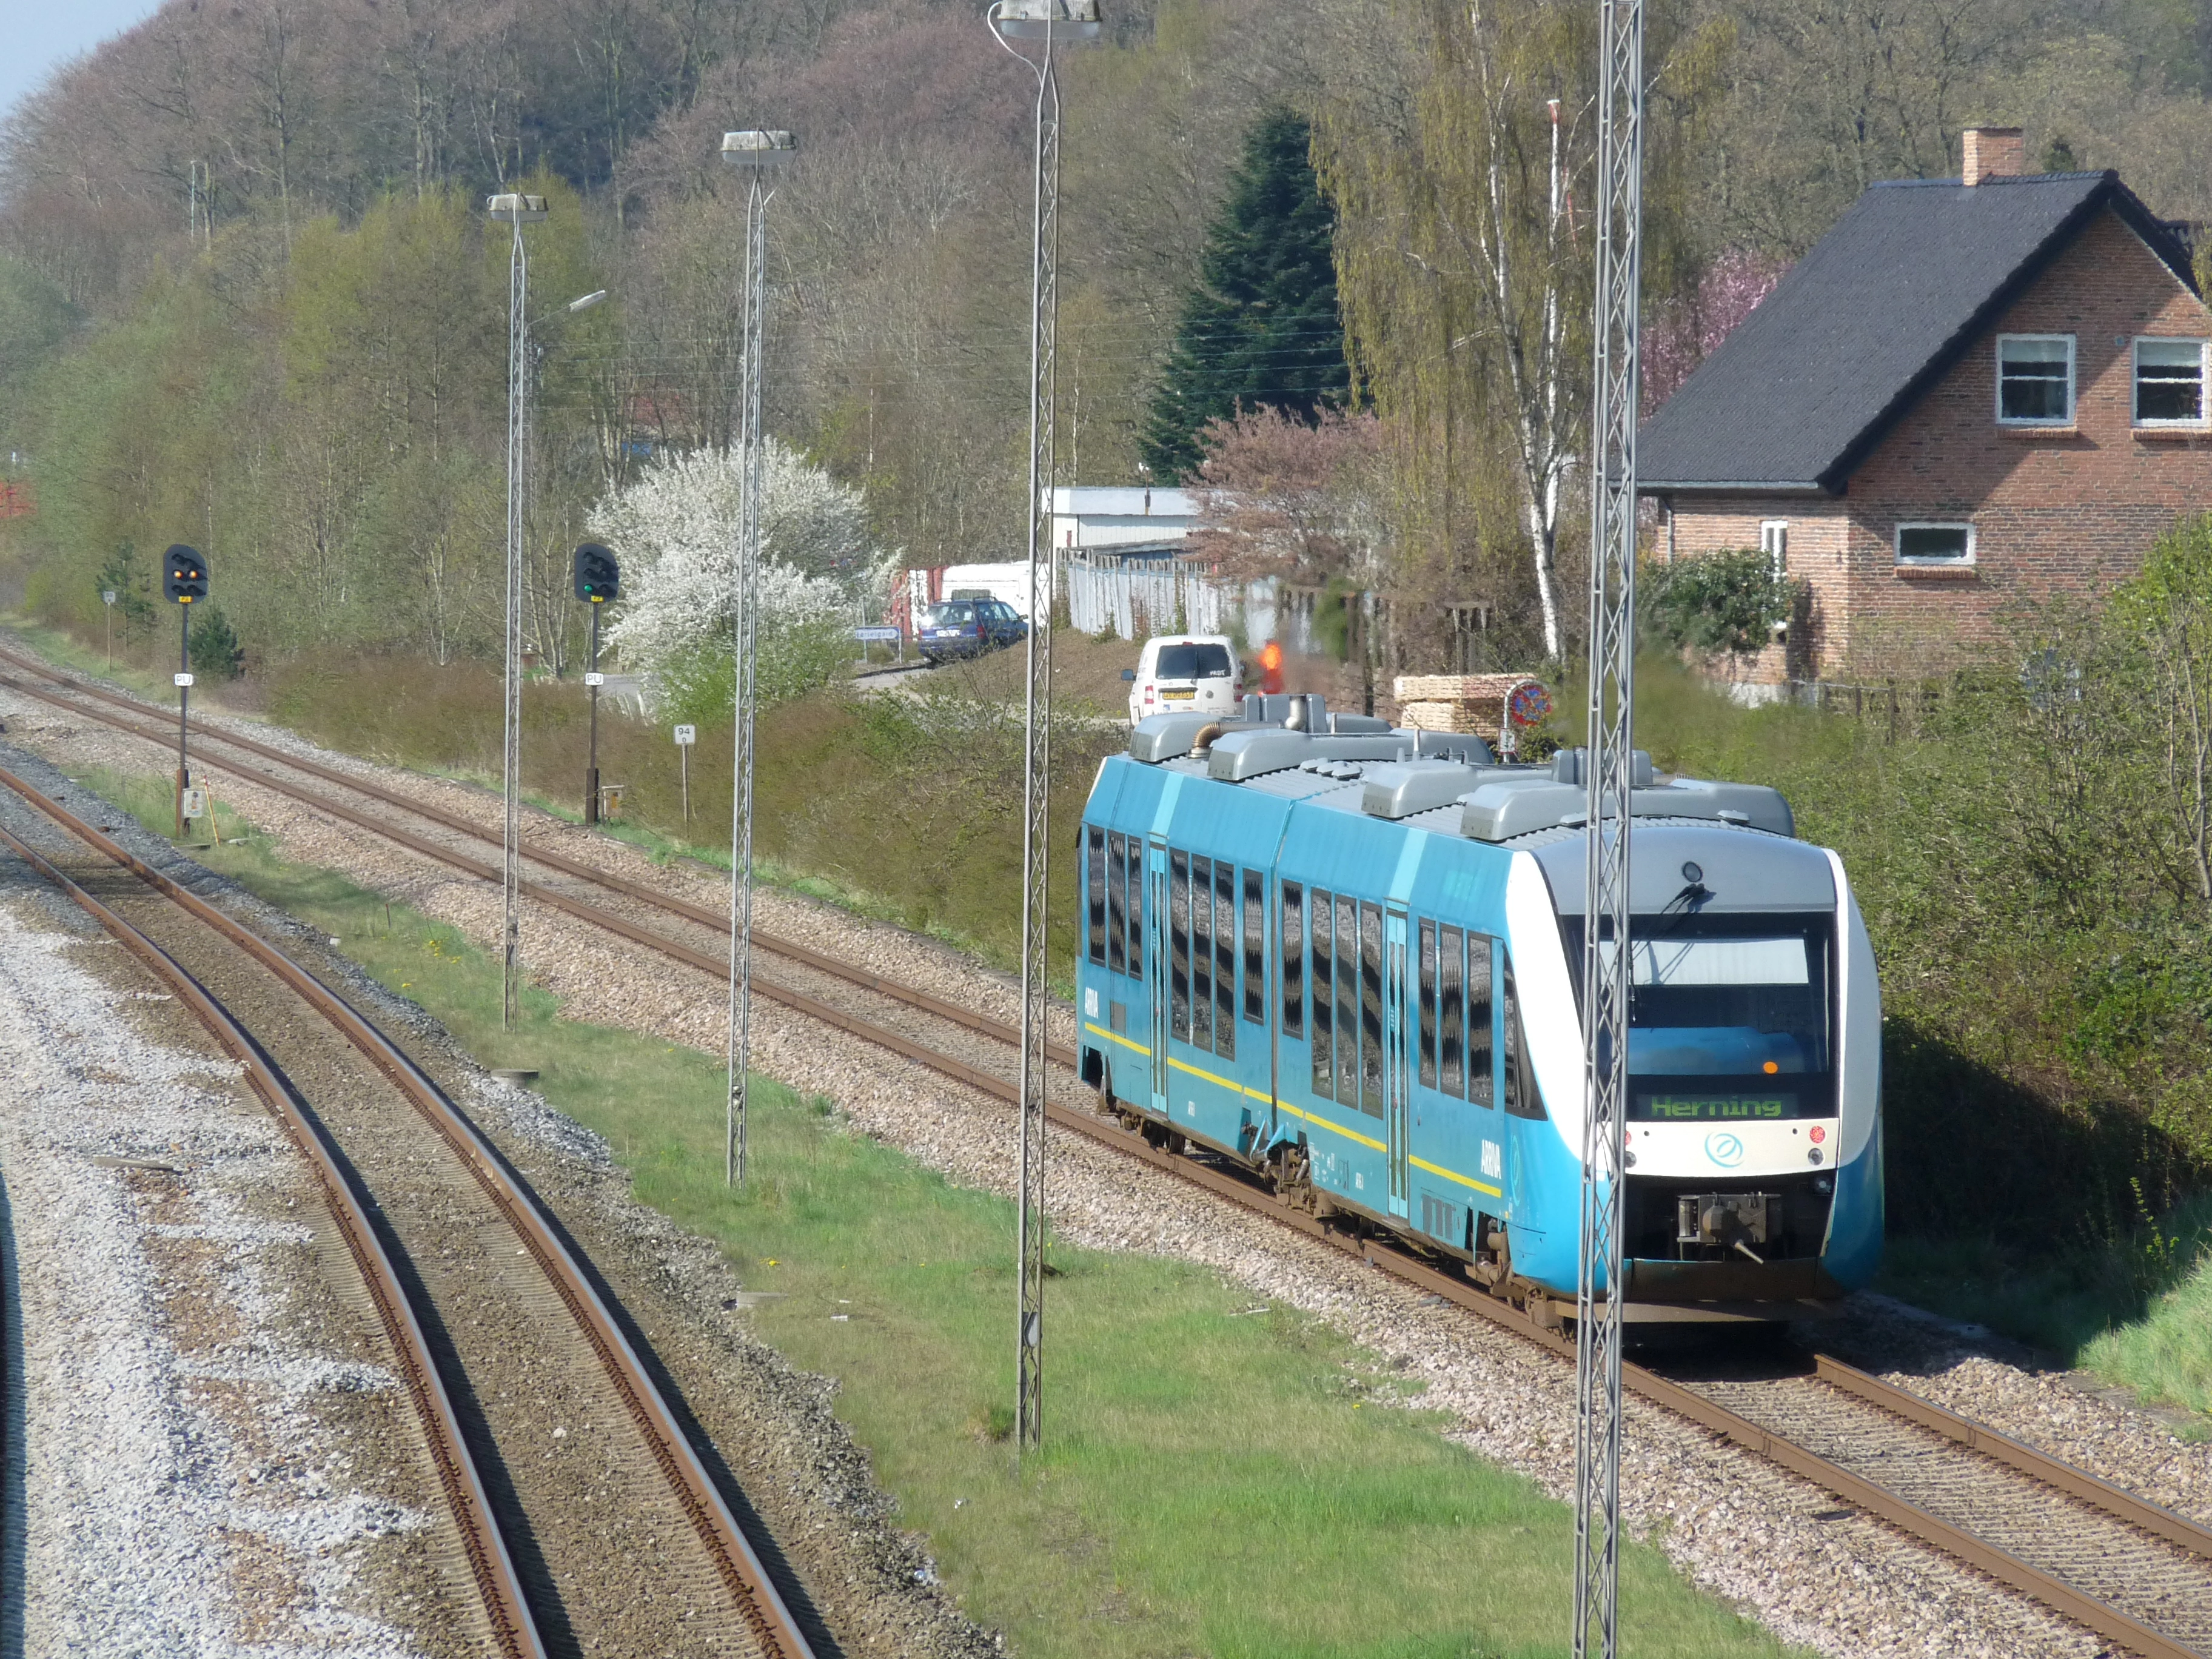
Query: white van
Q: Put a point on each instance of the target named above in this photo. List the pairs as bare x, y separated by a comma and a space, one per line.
1179, 673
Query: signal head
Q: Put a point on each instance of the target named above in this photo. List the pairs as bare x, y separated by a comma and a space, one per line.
183, 575
599, 577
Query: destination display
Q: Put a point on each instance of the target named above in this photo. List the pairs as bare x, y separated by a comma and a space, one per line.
1713, 1109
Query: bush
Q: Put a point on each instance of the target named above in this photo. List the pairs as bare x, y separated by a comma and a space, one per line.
214, 651
1730, 601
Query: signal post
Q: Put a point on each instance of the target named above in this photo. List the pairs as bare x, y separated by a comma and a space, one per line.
598, 580
184, 579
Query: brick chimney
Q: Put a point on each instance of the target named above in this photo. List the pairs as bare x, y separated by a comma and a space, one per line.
1992, 153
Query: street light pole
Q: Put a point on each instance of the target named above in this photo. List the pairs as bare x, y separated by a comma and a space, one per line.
514, 210
757, 150
1048, 24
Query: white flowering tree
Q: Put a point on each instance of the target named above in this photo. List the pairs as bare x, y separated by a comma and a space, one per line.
675, 530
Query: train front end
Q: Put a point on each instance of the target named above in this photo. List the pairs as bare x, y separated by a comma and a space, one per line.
1753, 1133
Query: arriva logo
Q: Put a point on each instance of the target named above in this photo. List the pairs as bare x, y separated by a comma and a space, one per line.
1725, 1150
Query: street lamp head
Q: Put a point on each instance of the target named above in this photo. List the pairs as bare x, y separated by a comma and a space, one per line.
588, 301
1068, 20
512, 209
759, 148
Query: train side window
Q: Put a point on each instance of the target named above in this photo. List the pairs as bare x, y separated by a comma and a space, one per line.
1324, 1064
1521, 1099
1370, 1010
1136, 906
1117, 904
1201, 953
1224, 960
1481, 1087
1179, 943
1452, 950
1347, 1001
1095, 873
1294, 959
1255, 947
1428, 1030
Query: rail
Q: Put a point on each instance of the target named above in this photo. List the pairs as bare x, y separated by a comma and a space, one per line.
1956, 1541
490, 1561
741, 1566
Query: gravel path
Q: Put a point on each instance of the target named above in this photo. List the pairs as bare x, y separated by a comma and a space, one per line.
1782, 1550
209, 1451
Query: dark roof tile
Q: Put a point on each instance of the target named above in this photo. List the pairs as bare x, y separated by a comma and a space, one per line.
1906, 279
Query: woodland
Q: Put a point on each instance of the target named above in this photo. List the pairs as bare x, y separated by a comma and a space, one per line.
248, 297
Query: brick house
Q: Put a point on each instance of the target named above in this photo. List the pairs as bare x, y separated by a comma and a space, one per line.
1969, 392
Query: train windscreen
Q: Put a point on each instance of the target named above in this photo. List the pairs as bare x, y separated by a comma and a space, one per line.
1729, 1016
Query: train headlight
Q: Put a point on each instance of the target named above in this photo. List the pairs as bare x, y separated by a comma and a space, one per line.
1813, 1156
1824, 1185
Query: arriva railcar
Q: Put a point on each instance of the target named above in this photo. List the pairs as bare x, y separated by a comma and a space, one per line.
1346, 956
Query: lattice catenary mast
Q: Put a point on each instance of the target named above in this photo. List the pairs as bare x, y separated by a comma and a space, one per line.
517, 211
1610, 760
1049, 23
755, 151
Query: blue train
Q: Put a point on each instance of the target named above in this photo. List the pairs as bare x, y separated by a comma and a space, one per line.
1346, 956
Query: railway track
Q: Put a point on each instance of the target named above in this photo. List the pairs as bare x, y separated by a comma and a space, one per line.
2134, 1574
495, 1325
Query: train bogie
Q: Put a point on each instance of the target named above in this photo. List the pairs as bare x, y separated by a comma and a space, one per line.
1346, 957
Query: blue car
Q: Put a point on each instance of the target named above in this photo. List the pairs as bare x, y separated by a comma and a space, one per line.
967, 628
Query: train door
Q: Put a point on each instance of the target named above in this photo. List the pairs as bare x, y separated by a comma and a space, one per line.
1397, 1051
1156, 962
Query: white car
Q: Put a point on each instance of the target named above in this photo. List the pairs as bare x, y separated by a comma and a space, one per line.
1179, 673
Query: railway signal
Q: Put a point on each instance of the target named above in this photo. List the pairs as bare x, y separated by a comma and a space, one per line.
599, 582
184, 579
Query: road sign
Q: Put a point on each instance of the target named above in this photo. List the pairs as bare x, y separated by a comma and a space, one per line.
595, 679
686, 736
878, 635
183, 679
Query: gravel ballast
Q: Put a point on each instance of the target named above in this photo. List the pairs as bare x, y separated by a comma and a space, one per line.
208, 1448
1812, 1570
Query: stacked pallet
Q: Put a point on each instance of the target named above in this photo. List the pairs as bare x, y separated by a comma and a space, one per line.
1458, 702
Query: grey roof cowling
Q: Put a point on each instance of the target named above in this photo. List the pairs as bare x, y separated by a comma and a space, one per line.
1883, 304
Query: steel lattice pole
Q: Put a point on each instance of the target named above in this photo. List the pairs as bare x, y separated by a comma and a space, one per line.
1605, 937
748, 608
1036, 770
518, 404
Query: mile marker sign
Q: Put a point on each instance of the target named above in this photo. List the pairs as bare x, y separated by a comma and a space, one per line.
686, 736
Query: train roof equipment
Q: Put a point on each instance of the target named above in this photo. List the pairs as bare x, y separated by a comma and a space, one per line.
1445, 782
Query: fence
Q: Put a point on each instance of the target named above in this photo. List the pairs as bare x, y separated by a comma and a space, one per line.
1138, 597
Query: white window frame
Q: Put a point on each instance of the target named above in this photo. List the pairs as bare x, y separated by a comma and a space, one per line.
1922, 562
1774, 542
2203, 380
2067, 419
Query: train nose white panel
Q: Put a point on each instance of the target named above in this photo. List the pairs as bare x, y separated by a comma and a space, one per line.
1720, 1149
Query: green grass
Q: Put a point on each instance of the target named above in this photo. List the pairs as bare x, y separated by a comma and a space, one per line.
1219, 1476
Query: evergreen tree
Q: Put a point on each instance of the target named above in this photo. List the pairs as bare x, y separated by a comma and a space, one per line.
1261, 327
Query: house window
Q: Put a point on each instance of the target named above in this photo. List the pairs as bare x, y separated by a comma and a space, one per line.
1774, 542
2169, 382
1934, 544
2035, 380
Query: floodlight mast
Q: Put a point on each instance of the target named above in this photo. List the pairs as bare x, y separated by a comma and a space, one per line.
1048, 24
757, 150
1609, 761
514, 210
